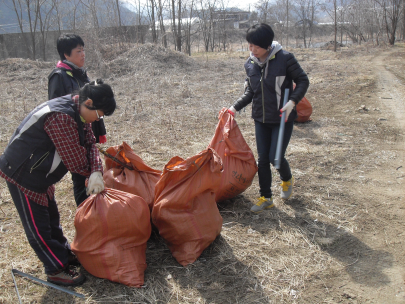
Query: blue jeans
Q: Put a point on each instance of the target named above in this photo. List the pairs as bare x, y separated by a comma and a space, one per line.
266, 142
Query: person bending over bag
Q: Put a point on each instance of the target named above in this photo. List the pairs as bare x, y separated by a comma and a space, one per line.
69, 76
56, 137
270, 70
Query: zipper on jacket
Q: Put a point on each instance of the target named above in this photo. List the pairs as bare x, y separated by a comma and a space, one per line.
77, 81
261, 83
39, 161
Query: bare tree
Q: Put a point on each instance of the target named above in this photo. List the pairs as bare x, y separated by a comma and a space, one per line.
32, 10
161, 23
378, 20
176, 25
403, 19
335, 23
391, 13
117, 3
305, 11
341, 18
110, 16
57, 15
120, 28
92, 7
358, 16
152, 19
174, 31
44, 16
72, 13
206, 10
333, 13
222, 25
140, 35
188, 26
179, 26
263, 9
277, 19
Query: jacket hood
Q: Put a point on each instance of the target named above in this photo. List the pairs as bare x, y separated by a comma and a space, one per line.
275, 47
66, 64
63, 65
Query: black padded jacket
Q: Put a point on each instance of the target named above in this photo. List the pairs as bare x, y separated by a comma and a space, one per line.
267, 96
63, 81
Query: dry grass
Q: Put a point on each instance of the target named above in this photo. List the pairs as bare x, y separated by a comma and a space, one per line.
168, 106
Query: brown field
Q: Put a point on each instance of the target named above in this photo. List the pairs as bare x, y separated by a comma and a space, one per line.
339, 239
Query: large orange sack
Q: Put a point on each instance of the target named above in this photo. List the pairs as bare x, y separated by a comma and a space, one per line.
237, 158
304, 110
112, 229
185, 211
141, 180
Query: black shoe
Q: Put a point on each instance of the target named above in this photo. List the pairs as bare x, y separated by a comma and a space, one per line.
72, 259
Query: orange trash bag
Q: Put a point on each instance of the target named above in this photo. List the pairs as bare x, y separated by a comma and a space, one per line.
304, 109
135, 177
237, 158
112, 229
185, 211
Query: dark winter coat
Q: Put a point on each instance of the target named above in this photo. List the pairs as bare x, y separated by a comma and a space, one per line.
279, 73
65, 79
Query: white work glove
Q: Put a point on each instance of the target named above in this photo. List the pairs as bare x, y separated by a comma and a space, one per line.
288, 108
96, 183
232, 111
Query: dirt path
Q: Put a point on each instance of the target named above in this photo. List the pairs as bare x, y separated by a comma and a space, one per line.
391, 90
389, 191
391, 86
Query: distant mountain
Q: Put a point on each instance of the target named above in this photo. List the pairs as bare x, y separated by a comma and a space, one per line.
9, 20
8, 23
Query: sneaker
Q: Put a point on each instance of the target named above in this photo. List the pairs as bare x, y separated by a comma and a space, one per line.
287, 188
263, 203
66, 277
72, 259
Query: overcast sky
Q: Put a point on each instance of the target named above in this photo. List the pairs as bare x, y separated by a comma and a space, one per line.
242, 4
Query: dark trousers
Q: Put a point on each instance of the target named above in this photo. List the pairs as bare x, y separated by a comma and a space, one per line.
266, 142
79, 188
43, 230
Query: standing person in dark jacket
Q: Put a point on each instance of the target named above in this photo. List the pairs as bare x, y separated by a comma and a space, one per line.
270, 70
69, 76
56, 137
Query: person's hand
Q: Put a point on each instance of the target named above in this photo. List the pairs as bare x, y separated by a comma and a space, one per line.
232, 111
288, 108
95, 184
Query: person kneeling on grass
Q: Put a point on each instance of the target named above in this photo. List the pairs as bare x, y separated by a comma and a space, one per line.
270, 70
56, 137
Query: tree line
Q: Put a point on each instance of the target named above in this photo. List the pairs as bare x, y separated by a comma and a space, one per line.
209, 25
360, 20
